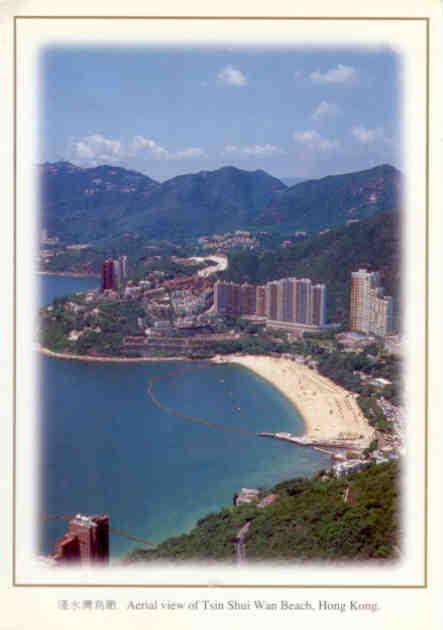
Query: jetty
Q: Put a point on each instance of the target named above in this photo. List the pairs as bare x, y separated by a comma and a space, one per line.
352, 443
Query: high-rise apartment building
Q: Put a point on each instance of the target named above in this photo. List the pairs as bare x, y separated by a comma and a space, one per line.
248, 299
381, 311
371, 311
260, 300
123, 267
362, 281
319, 305
67, 549
107, 274
289, 300
285, 303
118, 280
226, 298
114, 273
234, 299
303, 311
86, 541
271, 293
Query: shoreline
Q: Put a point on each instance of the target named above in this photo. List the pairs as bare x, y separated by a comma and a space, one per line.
68, 274
328, 411
97, 359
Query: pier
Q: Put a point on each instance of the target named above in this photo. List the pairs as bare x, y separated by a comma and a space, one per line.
334, 447
349, 444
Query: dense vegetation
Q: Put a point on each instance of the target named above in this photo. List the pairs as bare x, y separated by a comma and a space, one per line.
138, 249
329, 258
341, 367
114, 321
310, 521
106, 202
332, 201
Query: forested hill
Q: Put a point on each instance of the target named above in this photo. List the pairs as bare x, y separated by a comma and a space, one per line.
329, 258
354, 518
87, 205
90, 205
332, 201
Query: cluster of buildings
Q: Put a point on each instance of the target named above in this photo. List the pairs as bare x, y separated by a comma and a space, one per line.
252, 495
287, 304
371, 311
381, 455
85, 542
114, 273
239, 238
297, 304
187, 303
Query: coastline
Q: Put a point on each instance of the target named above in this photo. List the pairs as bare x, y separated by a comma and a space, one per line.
68, 274
328, 411
91, 358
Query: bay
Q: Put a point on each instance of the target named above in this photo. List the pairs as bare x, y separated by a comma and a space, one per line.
52, 286
106, 447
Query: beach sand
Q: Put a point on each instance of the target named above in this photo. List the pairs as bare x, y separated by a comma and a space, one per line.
329, 411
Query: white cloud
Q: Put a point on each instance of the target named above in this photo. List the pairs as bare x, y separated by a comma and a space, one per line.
139, 144
314, 141
339, 74
254, 150
96, 149
369, 136
325, 110
231, 76
190, 152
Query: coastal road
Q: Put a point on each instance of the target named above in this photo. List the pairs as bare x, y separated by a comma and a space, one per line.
220, 264
239, 544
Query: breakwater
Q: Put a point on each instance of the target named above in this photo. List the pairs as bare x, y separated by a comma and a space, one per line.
186, 417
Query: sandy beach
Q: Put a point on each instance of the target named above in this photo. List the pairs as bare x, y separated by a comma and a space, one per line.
329, 411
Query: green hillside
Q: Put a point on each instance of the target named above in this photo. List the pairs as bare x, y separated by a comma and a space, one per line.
329, 258
354, 518
331, 201
104, 203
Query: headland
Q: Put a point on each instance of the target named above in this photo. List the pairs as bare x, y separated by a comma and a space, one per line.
103, 359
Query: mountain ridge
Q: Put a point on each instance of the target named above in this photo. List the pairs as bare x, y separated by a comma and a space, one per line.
91, 204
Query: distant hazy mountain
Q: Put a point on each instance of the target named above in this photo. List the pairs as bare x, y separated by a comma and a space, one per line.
105, 202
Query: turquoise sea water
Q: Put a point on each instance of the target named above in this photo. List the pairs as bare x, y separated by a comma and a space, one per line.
105, 447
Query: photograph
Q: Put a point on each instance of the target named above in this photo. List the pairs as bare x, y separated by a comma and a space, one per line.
222, 287
219, 319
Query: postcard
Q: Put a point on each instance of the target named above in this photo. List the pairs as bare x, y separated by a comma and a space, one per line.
223, 236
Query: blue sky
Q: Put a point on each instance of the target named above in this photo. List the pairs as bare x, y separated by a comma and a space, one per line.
293, 112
